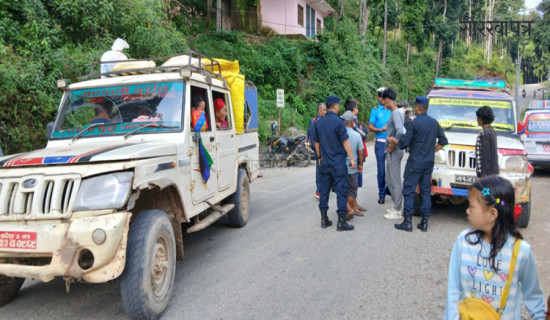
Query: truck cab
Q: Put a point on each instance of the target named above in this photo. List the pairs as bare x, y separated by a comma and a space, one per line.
124, 167
453, 103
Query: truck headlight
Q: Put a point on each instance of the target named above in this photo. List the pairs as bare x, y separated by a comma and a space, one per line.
109, 191
440, 157
515, 163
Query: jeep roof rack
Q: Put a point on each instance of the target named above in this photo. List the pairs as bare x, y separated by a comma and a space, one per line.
196, 62
480, 83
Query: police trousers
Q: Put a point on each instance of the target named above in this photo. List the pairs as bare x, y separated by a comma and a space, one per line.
336, 176
412, 178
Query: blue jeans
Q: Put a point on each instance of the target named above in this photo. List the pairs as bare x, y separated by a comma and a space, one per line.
423, 178
379, 150
336, 176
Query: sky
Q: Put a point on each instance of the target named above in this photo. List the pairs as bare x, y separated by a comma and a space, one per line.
531, 4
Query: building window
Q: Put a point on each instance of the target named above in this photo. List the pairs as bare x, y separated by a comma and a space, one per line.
319, 27
300, 15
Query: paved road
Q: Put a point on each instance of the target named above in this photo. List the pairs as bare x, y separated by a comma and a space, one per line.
282, 265
529, 90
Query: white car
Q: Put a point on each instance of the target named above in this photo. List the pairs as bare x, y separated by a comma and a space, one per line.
453, 103
535, 134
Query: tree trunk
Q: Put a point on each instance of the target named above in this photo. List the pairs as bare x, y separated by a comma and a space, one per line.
408, 51
440, 52
468, 34
208, 12
385, 32
395, 27
218, 15
342, 7
360, 18
374, 23
367, 12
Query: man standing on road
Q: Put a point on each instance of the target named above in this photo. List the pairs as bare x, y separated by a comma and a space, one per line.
351, 105
321, 110
394, 155
353, 174
331, 146
421, 137
379, 117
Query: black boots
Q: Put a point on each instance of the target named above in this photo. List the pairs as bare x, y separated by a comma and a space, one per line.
325, 222
381, 200
423, 225
406, 225
342, 224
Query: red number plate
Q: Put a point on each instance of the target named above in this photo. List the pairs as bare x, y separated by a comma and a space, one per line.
17, 240
546, 147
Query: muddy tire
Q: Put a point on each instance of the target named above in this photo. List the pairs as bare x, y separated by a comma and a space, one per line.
303, 158
523, 219
8, 288
148, 278
238, 216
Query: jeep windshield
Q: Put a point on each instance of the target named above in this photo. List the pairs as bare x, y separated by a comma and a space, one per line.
119, 110
538, 122
459, 113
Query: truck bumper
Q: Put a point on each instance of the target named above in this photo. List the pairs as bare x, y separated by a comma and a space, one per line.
47, 249
539, 159
455, 182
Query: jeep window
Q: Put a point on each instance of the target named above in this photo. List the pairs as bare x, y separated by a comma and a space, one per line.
122, 109
538, 122
461, 113
199, 102
225, 123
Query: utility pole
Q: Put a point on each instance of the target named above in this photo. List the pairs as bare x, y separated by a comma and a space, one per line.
518, 64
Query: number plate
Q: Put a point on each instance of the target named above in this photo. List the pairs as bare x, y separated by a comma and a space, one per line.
17, 240
546, 147
465, 179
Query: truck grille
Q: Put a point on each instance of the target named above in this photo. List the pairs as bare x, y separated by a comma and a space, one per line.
461, 159
37, 197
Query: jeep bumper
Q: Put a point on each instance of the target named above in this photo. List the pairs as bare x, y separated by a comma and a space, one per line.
47, 249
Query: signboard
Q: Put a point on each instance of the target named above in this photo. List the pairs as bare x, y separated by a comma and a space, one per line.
539, 104
280, 98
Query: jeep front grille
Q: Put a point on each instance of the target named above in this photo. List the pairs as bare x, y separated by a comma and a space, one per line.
36, 197
461, 159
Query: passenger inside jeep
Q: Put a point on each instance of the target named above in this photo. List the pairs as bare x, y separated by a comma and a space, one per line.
147, 114
102, 112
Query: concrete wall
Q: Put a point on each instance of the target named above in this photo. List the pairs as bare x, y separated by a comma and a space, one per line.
282, 16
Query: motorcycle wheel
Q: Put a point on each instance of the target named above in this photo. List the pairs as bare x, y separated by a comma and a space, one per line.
303, 158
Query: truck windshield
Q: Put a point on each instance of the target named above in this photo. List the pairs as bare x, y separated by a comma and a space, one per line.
538, 122
461, 113
122, 109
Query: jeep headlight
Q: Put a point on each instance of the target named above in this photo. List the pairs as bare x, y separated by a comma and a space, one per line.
109, 191
515, 163
440, 157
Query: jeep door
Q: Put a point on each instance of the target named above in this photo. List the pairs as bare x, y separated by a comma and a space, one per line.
226, 140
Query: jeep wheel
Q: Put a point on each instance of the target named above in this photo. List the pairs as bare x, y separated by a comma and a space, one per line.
148, 278
523, 219
8, 288
238, 216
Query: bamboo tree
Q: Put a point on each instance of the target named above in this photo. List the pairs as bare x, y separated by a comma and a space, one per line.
385, 32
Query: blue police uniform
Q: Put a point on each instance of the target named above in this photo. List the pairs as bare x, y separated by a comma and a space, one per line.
311, 137
420, 137
379, 117
331, 132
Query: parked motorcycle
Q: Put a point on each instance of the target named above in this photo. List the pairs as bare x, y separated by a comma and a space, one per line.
284, 151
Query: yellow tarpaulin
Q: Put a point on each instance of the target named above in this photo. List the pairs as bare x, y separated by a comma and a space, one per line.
235, 81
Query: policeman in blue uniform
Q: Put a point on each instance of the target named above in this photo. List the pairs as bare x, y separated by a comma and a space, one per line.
420, 136
331, 147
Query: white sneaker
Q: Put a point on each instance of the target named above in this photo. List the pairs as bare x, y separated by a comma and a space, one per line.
393, 215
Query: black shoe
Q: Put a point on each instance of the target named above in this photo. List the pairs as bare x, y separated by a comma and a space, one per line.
406, 225
423, 225
381, 200
342, 224
325, 222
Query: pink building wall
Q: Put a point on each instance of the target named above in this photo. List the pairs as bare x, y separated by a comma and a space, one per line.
282, 16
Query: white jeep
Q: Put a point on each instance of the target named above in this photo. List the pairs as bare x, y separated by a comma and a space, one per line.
453, 103
122, 170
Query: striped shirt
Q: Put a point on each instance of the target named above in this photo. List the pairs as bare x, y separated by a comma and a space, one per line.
471, 276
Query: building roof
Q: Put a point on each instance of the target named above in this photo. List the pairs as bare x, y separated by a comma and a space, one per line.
322, 6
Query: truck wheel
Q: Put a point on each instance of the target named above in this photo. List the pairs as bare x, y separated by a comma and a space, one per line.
8, 288
523, 219
148, 278
238, 216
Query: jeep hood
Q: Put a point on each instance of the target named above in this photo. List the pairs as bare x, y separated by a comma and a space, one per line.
469, 139
86, 153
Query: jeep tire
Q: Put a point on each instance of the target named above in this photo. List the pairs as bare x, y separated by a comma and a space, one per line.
8, 288
148, 278
238, 216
